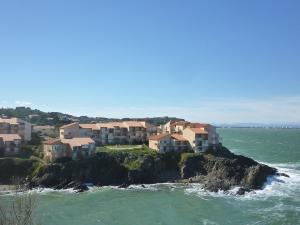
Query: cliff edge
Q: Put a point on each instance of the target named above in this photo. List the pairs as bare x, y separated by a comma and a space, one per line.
216, 170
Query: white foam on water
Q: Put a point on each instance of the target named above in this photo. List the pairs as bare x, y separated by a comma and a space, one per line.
197, 189
40, 191
208, 222
281, 186
49, 190
275, 186
151, 187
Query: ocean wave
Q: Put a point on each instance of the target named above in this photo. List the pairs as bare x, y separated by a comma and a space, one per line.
137, 187
39, 191
152, 187
275, 186
280, 186
197, 189
50, 190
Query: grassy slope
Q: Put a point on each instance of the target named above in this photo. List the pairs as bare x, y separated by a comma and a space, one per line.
13, 168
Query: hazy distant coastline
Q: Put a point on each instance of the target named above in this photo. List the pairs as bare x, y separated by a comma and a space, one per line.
258, 125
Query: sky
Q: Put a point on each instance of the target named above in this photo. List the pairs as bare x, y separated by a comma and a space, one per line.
213, 61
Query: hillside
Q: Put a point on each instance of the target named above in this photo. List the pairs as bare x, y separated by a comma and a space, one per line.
39, 117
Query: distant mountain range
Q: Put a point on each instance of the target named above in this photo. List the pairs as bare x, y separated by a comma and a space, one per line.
39, 117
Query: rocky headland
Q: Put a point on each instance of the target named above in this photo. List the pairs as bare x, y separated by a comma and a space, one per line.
216, 170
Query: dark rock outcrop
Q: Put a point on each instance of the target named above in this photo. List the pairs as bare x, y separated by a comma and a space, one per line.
216, 170
223, 170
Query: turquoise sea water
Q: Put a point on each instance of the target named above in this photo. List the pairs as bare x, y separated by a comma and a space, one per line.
167, 204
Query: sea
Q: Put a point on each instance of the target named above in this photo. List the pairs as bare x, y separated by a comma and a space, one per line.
168, 204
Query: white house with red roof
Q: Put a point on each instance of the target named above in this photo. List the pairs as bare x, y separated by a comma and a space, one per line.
163, 143
186, 136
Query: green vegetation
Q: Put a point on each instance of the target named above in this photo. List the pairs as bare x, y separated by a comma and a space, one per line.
14, 168
58, 119
188, 155
132, 164
39, 118
160, 120
209, 156
32, 150
137, 149
35, 139
122, 146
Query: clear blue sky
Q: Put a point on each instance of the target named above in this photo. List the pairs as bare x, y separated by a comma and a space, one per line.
218, 61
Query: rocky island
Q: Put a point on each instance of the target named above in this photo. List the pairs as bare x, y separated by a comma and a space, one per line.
216, 170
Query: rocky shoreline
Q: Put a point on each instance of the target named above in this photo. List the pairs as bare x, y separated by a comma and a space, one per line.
220, 170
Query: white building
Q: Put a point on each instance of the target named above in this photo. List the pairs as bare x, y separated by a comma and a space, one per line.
163, 143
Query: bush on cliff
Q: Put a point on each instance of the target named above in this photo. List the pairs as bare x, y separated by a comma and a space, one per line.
14, 168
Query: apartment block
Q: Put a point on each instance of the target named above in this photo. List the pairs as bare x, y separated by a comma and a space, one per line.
126, 132
10, 144
200, 136
163, 143
75, 148
69, 131
16, 126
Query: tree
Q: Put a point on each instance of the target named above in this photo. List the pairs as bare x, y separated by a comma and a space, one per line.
20, 210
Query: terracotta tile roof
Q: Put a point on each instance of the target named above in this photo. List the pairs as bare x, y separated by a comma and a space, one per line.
134, 124
10, 120
198, 125
158, 137
181, 123
198, 130
105, 125
75, 142
89, 126
172, 122
10, 137
178, 137
53, 142
69, 125
118, 124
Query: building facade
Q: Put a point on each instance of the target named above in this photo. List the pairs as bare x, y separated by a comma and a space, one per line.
163, 143
81, 147
55, 149
126, 132
69, 131
10, 144
75, 148
174, 135
16, 126
197, 136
